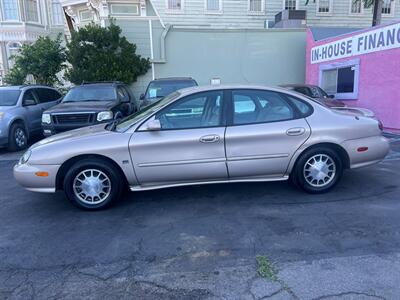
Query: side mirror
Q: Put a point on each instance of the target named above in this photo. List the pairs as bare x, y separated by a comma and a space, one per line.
141, 97
154, 125
29, 102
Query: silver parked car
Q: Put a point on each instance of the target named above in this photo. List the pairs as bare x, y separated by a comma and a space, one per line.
205, 135
21, 109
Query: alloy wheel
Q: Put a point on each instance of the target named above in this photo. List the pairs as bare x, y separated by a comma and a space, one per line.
92, 186
319, 170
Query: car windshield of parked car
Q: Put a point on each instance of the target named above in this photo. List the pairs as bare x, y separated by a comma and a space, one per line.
90, 93
9, 97
159, 89
147, 111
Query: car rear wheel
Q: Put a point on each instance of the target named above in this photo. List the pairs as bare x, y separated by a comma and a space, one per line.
93, 184
318, 170
18, 139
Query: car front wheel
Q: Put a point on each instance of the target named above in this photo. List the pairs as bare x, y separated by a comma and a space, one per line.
318, 170
92, 184
18, 139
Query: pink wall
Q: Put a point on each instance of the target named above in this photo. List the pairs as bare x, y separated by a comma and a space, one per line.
379, 81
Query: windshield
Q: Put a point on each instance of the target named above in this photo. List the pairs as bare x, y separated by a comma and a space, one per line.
134, 118
9, 97
91, 93
159, 89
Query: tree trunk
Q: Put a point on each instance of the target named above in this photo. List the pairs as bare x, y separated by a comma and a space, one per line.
376, 19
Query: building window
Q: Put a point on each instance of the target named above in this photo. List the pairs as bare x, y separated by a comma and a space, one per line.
356, 6
341, 79
57, 13
124, 9
10, 10
85, 15
174, 4
12, 50
213, 5
290, 4
256, 5
387, 7
324, 6
31, 11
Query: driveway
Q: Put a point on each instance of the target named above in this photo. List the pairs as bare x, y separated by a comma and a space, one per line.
231, 241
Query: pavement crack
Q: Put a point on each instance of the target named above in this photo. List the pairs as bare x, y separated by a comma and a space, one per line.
348, 294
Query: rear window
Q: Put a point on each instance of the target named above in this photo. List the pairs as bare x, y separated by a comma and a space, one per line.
91, 93
158, 89
9, 97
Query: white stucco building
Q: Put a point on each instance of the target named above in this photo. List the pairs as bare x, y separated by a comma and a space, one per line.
23, 21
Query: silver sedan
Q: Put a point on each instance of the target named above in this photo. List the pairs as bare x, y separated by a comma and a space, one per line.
205, 135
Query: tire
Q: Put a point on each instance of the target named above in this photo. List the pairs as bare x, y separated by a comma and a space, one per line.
17, 138
317, 170
93, 184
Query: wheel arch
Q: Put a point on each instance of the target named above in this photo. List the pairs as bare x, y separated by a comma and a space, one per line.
344, 156
62, 171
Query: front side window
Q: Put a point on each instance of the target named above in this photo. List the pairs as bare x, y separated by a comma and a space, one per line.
213, 5
256, 5
57, 13
256, 106
47, 95
90, 93
10, 10
290, 4
324, 6
159, 89
31, 11
195, 111
28, 96
174, 4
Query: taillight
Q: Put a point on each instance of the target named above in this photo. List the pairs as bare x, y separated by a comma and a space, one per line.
380, 125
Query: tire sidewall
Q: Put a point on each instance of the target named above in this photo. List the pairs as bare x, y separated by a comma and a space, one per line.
12, 144
301, 182
105, 167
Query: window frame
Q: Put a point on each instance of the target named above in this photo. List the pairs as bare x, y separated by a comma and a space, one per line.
222, 121
340, 65
39, 21
124, 4
329, 13
284, 5
356, 13
256, 12
211, 11
285, 97
52, 4
80, 15
392, 10
3, 15
174, 10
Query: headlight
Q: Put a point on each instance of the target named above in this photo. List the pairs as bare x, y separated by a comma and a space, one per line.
105, 115
1, 115
46, 118
24, 159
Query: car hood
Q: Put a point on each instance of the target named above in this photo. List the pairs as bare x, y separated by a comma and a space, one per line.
6, 108
83, 106
71, 135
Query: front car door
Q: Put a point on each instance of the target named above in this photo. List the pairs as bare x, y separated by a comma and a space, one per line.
33, 113
264, 131
189, 147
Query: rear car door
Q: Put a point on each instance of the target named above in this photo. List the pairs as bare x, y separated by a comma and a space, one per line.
32, 111
263, 133
188, 148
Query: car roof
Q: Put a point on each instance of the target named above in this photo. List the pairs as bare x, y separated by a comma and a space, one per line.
298, 85
25, 86
173, 79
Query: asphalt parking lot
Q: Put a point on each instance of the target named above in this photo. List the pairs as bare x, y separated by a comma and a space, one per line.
202, 242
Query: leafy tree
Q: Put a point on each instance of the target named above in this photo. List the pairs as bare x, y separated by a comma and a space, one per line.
43, 60
377, 9
101, 54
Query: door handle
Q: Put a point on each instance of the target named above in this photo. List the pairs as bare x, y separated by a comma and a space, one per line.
295, 131
211, 138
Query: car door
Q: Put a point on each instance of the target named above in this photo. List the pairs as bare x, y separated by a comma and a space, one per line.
189, 147
263, 133
32, 111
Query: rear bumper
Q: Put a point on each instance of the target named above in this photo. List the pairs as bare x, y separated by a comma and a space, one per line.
377, 148
25, 175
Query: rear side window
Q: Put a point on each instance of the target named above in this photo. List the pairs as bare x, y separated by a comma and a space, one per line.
304, 108
47, 95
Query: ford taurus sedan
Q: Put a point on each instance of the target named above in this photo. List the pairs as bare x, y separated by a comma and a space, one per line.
205, 135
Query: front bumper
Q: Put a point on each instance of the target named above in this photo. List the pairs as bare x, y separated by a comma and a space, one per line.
3, 133
377, 148
25, 175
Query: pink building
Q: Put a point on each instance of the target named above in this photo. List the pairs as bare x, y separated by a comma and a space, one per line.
361, 68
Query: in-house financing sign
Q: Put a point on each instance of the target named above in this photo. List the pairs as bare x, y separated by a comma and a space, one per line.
383, 38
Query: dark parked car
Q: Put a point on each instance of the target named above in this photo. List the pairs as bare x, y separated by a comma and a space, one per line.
162, 87
21, 110
89, 104
315, 92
